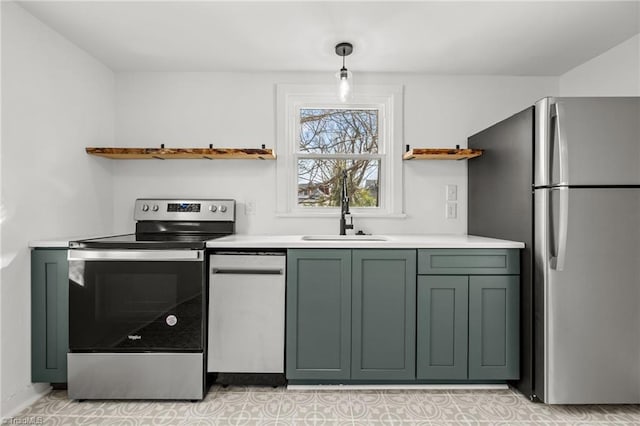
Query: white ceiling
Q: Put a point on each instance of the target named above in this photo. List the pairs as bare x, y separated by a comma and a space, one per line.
444, 37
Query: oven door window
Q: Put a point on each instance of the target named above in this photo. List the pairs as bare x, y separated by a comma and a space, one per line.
133, 306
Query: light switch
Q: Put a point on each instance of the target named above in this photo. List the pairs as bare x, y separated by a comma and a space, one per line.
452, 192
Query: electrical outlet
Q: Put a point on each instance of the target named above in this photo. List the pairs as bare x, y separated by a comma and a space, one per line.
250, 208
452, 210
452, 192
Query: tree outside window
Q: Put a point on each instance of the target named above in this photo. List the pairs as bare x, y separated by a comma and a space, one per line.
332, 140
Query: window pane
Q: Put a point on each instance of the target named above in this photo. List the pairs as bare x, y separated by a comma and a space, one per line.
338, 131
319, 182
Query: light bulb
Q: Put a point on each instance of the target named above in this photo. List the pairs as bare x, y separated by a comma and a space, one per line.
344, 78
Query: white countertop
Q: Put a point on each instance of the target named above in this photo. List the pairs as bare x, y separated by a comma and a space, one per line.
62, 242
391, 241
296, 241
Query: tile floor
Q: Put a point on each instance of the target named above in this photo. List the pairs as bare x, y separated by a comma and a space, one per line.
251, 405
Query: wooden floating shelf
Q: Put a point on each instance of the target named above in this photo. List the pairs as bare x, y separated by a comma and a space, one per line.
441, 154
183, 153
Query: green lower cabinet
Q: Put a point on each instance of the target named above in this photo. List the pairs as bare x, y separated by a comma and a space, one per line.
364, 315
383, 317
49, 315
494, 322
350, 315
318, 314
442, 327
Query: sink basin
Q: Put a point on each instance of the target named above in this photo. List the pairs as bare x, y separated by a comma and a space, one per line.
343, 238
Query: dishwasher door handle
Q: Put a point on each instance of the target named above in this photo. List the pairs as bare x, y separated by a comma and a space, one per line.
230, 271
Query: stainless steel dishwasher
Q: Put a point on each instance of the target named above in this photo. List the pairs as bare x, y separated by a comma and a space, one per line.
246, 312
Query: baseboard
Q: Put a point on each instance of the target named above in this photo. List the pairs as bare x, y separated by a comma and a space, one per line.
396, 387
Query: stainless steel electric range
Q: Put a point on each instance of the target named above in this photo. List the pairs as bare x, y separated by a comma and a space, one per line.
137, 303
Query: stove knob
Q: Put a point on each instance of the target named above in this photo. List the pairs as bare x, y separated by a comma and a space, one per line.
145, 207
213, 209
223, 209
155, 207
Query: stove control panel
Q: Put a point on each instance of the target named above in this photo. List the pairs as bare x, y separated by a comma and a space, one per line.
185, 210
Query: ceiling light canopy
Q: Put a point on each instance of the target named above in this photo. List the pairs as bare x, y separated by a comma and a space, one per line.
344, 76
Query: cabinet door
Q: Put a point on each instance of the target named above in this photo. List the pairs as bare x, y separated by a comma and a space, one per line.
384, 309
318, 314
493, 327
442, 327
49, 315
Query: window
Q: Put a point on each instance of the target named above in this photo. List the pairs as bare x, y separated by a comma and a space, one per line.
319, 139
333, 141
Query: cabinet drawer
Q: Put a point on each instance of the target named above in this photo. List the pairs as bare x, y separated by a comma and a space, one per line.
469, 261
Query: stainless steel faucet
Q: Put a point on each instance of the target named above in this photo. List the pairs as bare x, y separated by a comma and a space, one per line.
344, 206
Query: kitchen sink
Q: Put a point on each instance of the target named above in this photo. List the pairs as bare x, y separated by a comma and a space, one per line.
343, 238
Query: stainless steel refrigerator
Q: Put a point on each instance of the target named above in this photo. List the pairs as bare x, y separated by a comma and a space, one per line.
563, 176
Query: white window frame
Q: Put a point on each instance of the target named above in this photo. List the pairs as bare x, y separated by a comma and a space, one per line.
388, 100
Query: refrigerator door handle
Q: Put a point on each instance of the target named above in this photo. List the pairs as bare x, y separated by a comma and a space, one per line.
563, 154
558, 261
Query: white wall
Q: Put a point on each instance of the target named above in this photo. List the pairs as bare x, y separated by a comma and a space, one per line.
56, 100
615, 72
238, 110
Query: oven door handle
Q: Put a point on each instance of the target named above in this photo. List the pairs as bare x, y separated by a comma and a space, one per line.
137, 255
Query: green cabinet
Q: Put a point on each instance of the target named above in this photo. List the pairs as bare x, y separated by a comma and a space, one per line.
384, 311
468, 314
390, 315
494, 323
49, 315
350, 314
318, 314
442, 327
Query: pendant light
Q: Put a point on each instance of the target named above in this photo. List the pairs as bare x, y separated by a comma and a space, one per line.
344, 76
